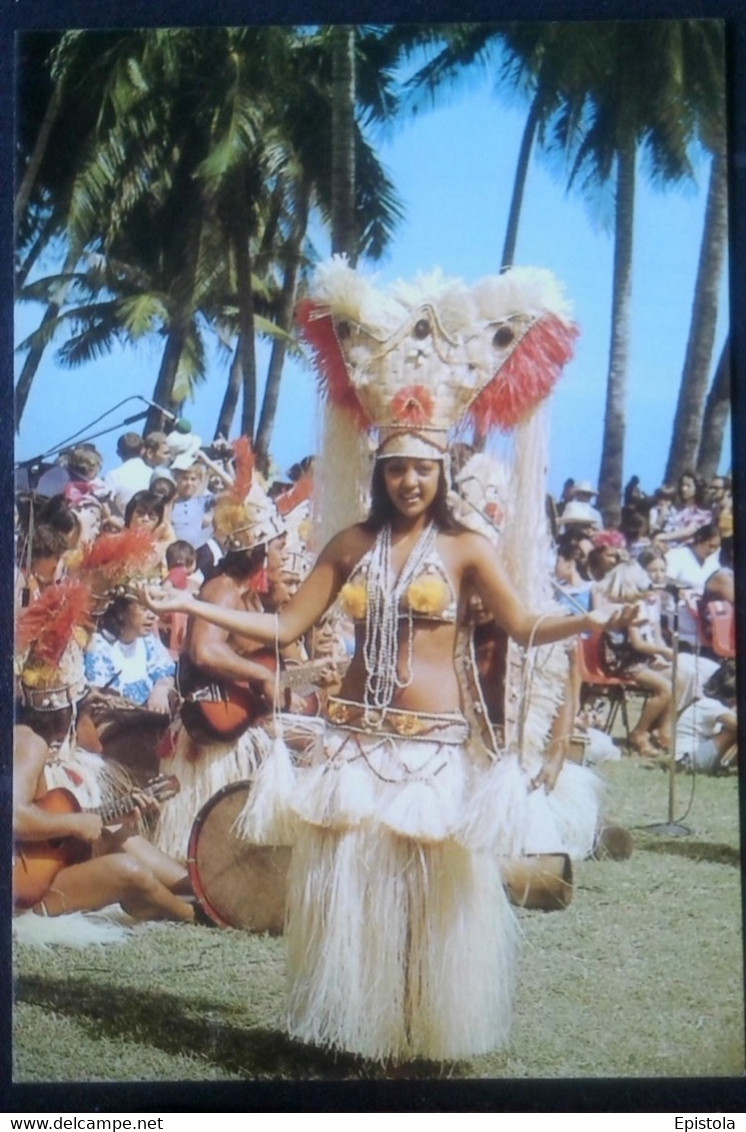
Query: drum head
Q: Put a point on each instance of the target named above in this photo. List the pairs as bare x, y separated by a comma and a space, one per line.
238, 884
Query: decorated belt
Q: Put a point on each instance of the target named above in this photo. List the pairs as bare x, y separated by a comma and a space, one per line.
399, 723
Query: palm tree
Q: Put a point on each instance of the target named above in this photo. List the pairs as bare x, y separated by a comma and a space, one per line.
635, 94
717, 410
686, 448
344, 230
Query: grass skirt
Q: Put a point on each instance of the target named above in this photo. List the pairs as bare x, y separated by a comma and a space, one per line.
203, 770
400, 936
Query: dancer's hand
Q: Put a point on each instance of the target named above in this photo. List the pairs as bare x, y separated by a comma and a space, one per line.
548, 775
163, 601
620, 618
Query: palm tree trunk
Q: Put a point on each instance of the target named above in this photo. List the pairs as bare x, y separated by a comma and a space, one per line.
245, 347
230, 400
687, 429
285, 316
162, 394
37, 156
612, 454
717, 409
344, 228
519, 181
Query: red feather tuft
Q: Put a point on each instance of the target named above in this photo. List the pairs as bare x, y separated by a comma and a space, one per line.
117, 553
49, 623
243, 455
319, 331
414, 406
527, 377
295, 495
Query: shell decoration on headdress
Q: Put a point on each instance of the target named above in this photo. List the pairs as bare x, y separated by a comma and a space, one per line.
244, 516
115, 564
51, 635
432, 355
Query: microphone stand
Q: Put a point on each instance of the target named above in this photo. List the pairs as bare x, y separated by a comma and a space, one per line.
672, 828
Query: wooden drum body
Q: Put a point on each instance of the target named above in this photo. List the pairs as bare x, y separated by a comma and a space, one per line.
238, 884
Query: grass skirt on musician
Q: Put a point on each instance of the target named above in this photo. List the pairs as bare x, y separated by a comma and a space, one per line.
93, 780
399, 934
202, 770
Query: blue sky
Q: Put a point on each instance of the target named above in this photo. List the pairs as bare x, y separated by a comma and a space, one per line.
453, 168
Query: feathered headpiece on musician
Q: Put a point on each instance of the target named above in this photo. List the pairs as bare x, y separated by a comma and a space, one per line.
51, 635
244, 516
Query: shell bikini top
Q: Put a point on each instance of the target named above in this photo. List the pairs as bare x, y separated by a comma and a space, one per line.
430, 596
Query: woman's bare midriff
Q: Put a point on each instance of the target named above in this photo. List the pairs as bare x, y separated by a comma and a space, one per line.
434, 687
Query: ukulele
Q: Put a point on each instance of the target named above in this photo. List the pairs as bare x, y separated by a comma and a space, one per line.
222, 710
36, 863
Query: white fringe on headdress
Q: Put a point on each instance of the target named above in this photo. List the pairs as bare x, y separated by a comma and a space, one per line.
526, 290
341, 476
73, 929
397, 949
526, 543
202, 771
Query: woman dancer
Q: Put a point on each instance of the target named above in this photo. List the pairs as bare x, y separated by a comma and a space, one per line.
399, 933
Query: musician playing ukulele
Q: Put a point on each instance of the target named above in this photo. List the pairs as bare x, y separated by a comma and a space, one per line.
123, 866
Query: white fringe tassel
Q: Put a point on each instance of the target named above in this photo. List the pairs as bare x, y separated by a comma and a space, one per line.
202, 771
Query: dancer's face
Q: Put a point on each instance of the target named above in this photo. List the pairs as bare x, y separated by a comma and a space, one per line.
412, 484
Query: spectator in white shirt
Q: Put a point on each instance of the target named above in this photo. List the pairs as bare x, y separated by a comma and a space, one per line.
689, 567
135, 474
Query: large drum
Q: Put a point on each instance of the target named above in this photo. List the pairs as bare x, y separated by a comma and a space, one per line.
238, 884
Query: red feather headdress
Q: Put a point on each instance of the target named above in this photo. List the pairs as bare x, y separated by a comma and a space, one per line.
48, 626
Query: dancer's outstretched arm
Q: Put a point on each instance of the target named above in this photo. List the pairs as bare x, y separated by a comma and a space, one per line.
304, 609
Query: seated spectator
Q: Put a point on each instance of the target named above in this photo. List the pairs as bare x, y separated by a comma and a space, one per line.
723, 512
570, 572
720, 585
707, 731
565, 495
692, 671
191, 506
126, 655
580, 518
135, 473
129, 445
635, 527
640, 655
688, 513
146, 510
584, 493
633, 495
661, 509
44, 568
181, 562
689, 567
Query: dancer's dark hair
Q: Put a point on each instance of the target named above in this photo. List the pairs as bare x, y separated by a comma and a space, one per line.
383, 510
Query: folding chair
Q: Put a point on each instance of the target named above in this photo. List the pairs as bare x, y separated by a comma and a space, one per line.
722, 628
589, 659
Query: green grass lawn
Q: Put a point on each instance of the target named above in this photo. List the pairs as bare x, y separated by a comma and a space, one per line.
640, 977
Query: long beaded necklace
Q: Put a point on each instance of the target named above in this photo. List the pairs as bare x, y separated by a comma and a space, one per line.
381, 647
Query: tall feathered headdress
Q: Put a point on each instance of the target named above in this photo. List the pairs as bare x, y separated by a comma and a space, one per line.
414, 363
411, 366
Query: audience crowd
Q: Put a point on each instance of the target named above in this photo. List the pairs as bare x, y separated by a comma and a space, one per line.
671, 554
